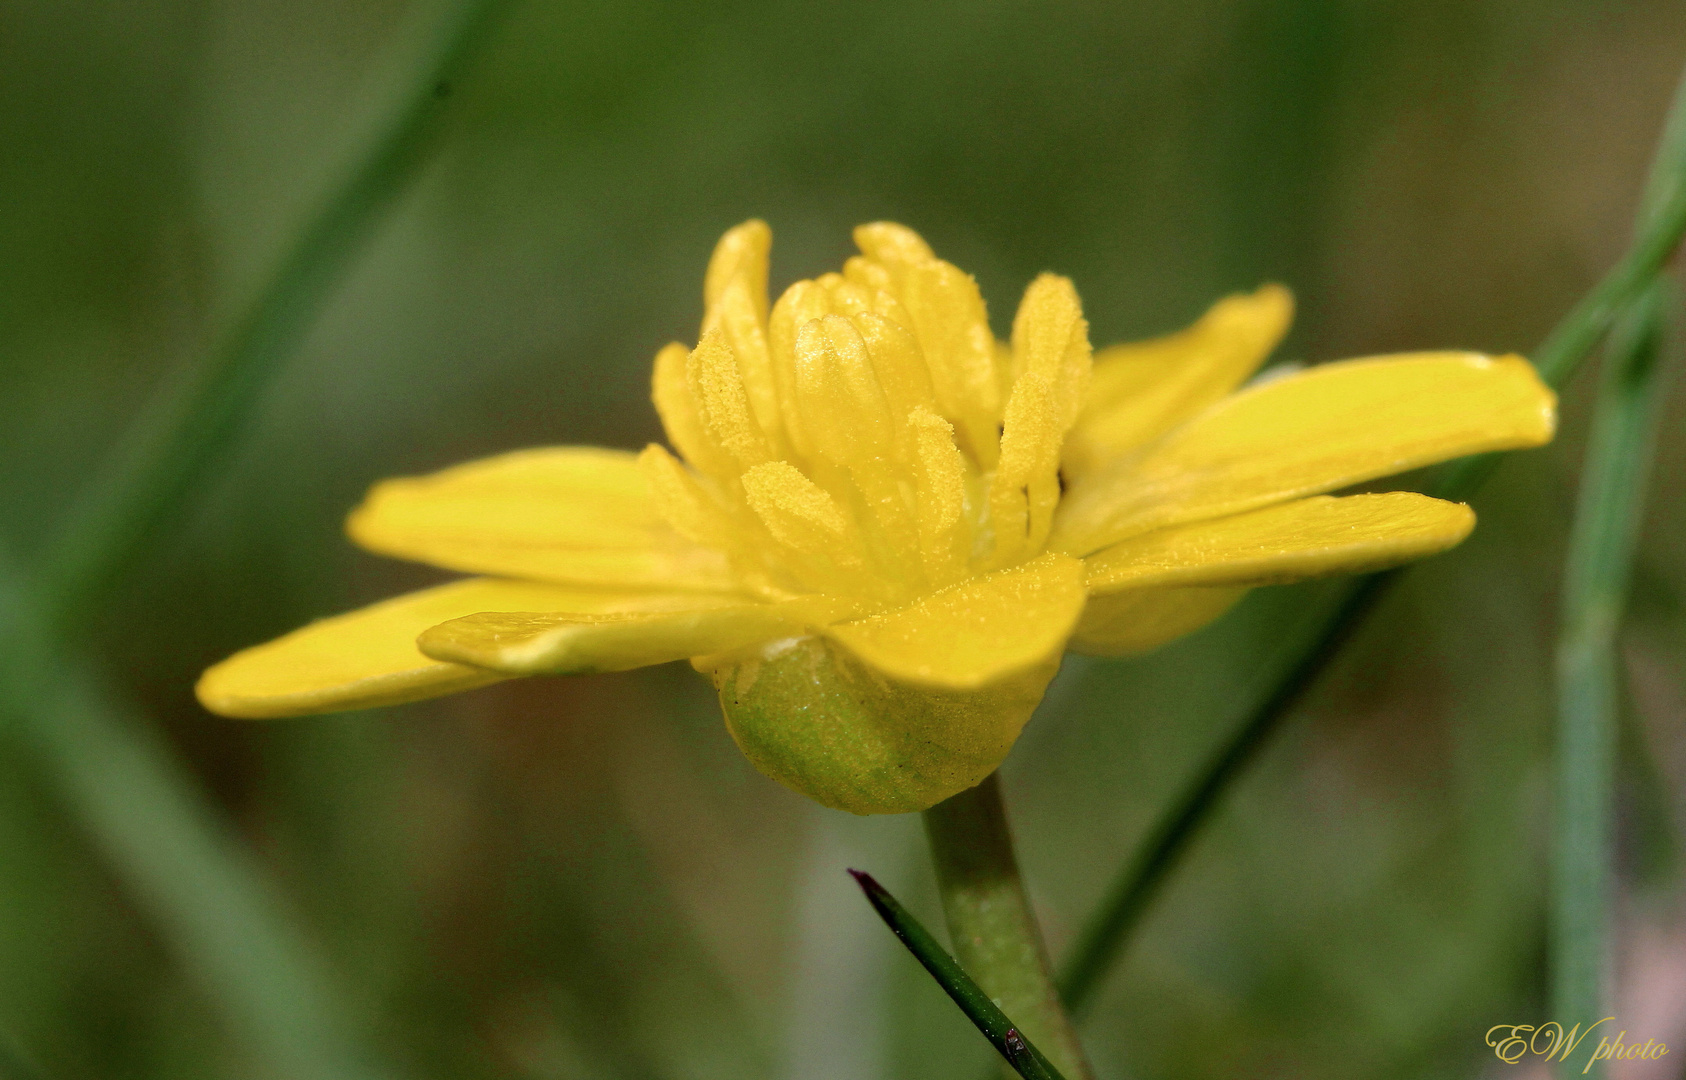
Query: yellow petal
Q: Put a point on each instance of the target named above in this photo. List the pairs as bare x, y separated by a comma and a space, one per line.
740, 256
971, 634
574, 643
570, 515
1138, 620
1290, 542
844, 410
735, 305
1143, 389
1051, 363
1325, 428
810, 715
939, 475
369, 657
945, 310
716, 380
887, 242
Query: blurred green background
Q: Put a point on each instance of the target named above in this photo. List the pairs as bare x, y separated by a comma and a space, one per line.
583, 878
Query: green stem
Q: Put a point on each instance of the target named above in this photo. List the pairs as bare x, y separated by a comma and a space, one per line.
172, 446
1601, 548
184, 867
1662, 222
990, 921
209, 899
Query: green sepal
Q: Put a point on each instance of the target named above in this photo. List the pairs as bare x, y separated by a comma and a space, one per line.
812, 717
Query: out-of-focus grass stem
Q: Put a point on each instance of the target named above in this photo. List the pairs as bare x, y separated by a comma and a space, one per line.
179, 438
1662, 221
1595, 587
13, 1066
209, 900
204, 892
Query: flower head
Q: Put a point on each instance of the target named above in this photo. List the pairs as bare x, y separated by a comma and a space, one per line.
882, 527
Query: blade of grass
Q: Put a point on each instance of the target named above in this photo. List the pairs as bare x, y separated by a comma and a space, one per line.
1662, 222
174, 443
13, 1065
1595, 588
1018, 1051
208, 898
184, 867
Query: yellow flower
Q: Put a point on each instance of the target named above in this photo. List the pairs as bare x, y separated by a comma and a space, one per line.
884, 527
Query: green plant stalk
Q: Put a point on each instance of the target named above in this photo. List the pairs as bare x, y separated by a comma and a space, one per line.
1662, 221
208, 898
175, 442
1595, 587
1014, 1046
202, 889
13, 1065
990, 920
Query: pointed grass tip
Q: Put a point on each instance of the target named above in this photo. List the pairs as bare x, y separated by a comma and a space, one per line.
984, 1014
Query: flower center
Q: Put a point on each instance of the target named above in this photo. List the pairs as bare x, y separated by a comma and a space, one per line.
867, 436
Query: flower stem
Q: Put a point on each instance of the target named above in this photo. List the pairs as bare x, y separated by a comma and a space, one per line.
1601, 548
990, 922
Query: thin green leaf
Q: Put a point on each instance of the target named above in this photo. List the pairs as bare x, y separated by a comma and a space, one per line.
1662, 221
207, 896
1595, 588
172, 446
13, 1064
1018, 1051
180, 862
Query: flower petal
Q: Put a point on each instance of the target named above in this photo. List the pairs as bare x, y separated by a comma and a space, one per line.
1139, 620
368, 657
815, 718
1290, 542
573, 515
971, 634
575, 643
1325, 428
1143, 389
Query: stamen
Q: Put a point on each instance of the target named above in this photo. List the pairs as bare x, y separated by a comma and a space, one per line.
842, 405
671, 390
683, 502
940, 486
800, 514
716, 384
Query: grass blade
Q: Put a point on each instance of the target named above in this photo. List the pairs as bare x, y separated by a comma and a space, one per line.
205, 894
1018, 1051
1595, 587
175, 442
1662, 221
183, 866
13, 1065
